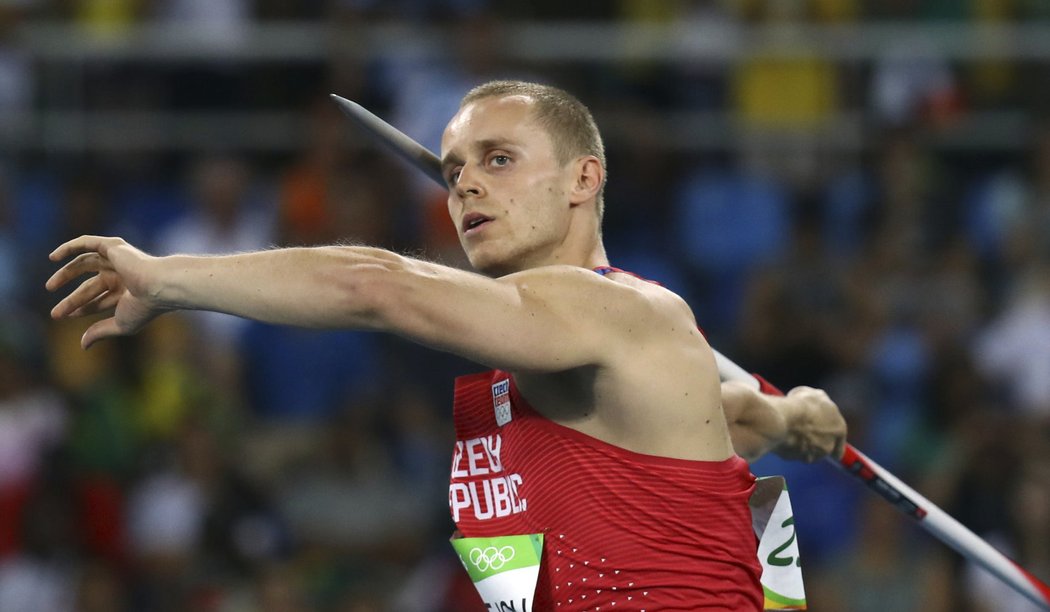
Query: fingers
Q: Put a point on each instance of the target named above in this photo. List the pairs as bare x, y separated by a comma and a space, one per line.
83, 244
81, 264
805, 455
839, 450
813, 454
100, 294
83, 295
810, 446
105, 304
833, 447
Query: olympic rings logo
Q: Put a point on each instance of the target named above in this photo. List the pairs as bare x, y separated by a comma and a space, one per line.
491, 557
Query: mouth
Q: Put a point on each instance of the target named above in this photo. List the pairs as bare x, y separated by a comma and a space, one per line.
473, 222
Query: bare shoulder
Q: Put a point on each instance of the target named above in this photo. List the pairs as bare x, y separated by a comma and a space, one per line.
616, 299
656, 390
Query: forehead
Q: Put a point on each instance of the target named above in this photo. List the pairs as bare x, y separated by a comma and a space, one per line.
488, 119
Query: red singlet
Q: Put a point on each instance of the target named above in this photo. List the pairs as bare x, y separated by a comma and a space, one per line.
622, 530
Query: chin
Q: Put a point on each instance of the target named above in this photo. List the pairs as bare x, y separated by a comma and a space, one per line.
488, 267
489, 264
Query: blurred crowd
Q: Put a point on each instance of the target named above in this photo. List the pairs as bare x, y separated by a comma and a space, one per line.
216, 464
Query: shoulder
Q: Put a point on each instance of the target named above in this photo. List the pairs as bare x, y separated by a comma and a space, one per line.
574, 282
615, 299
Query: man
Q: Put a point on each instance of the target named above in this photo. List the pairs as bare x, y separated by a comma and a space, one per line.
604, 426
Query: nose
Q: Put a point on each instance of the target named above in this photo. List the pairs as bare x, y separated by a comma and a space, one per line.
468, 184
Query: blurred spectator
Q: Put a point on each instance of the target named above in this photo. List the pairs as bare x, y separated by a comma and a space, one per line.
422, 435
37, 210
891, 287
898, 570
308, 186
196, 525
11, 279
147, 196
279, 590
33, 422
330, 195
1027, 541
100, 588
637, 230
728, 224
175, 381
1008, 219
891, 208
954, 300
59, 531
791, 316
49, 207
101, 389
913, 83
999, 463
41, 576
228, 216
1014, 349
348, 504
437, 584
17, 77
304, 375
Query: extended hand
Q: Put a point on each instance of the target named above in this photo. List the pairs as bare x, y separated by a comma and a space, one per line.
119, 288
815, 427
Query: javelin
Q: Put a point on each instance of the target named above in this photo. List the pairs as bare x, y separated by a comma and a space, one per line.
931, 518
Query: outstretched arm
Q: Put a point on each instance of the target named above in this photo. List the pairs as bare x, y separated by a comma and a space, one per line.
515, 322
802, 425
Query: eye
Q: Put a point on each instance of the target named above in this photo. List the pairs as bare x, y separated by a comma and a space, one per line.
499, 160
453, 177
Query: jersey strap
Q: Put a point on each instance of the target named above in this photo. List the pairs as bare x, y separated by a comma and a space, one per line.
603, 270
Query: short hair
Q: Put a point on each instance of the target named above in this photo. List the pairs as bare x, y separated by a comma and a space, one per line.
567, 120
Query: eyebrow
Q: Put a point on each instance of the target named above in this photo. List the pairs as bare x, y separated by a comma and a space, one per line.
452, 159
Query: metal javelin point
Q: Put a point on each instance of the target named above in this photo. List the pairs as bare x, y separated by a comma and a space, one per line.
398, 142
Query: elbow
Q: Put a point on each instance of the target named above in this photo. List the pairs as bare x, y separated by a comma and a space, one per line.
370, 293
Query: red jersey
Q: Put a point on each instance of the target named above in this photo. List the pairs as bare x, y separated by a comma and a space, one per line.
622, 530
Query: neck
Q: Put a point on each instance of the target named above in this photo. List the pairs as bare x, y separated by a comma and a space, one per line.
591, 258
597, 258
581, 246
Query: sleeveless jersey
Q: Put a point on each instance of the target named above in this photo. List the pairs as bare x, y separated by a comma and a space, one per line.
622, 530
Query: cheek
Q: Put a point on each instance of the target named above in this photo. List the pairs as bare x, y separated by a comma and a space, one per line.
543, 223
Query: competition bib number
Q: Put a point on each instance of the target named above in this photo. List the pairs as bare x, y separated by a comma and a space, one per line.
774, 524
503, 569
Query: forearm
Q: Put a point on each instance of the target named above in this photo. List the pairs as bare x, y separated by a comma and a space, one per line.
756, 425
804, 424
309, 287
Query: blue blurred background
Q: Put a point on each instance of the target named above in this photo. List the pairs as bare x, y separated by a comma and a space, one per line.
851, 195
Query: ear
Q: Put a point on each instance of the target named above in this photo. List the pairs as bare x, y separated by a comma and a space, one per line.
588, 177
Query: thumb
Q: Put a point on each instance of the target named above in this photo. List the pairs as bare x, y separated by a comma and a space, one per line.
99, 330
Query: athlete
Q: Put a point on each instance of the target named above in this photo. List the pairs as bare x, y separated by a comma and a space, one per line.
603, 425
